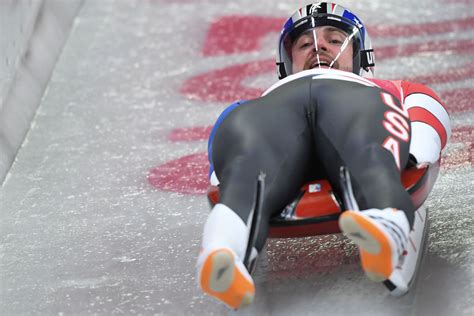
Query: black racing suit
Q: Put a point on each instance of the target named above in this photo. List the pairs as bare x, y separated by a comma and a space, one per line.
304, 129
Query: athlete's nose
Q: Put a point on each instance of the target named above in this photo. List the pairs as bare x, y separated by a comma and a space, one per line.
321, 43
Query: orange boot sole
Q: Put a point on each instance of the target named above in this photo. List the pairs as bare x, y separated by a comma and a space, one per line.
222, 279
374, 244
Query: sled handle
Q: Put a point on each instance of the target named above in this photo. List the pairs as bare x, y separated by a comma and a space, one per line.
254, 218
349, 200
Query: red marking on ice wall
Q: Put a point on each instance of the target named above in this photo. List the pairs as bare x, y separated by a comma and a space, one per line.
225, 85
238, 34
234, 34
465, 71
187, 174
459, 100
463, 156
421, 29
458, 47
190, 134
463, 134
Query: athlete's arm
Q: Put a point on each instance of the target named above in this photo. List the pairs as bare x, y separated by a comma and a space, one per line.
430, 123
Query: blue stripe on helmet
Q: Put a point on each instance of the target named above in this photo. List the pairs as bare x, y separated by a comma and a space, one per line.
288, 26
350, 16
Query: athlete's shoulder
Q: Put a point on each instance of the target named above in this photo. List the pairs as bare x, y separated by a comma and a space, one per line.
413, 88
391, 86
405, 89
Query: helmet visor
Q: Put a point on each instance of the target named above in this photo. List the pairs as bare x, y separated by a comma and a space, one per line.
322, 41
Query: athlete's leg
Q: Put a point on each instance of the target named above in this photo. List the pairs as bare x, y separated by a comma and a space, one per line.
269, 135
352, 128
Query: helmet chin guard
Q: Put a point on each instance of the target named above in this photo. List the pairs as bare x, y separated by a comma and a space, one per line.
325, 14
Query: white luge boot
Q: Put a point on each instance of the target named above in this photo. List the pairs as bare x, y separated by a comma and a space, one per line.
221, 272
382, 237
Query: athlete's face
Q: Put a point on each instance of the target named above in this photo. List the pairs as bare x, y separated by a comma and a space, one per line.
318, 48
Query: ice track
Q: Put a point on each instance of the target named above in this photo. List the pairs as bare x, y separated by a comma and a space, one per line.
103, 208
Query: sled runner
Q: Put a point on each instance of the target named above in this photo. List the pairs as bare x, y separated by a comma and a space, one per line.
316, 210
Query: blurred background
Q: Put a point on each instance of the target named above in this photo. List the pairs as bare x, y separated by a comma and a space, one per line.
105, 109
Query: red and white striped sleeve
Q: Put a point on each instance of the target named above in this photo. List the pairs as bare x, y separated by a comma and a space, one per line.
430, 123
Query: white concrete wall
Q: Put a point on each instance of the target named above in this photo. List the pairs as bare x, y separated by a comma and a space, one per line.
32, 34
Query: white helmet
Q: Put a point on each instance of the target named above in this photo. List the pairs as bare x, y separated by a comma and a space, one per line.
326, 14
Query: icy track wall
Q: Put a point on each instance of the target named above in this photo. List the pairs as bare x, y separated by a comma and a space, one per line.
33, 33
